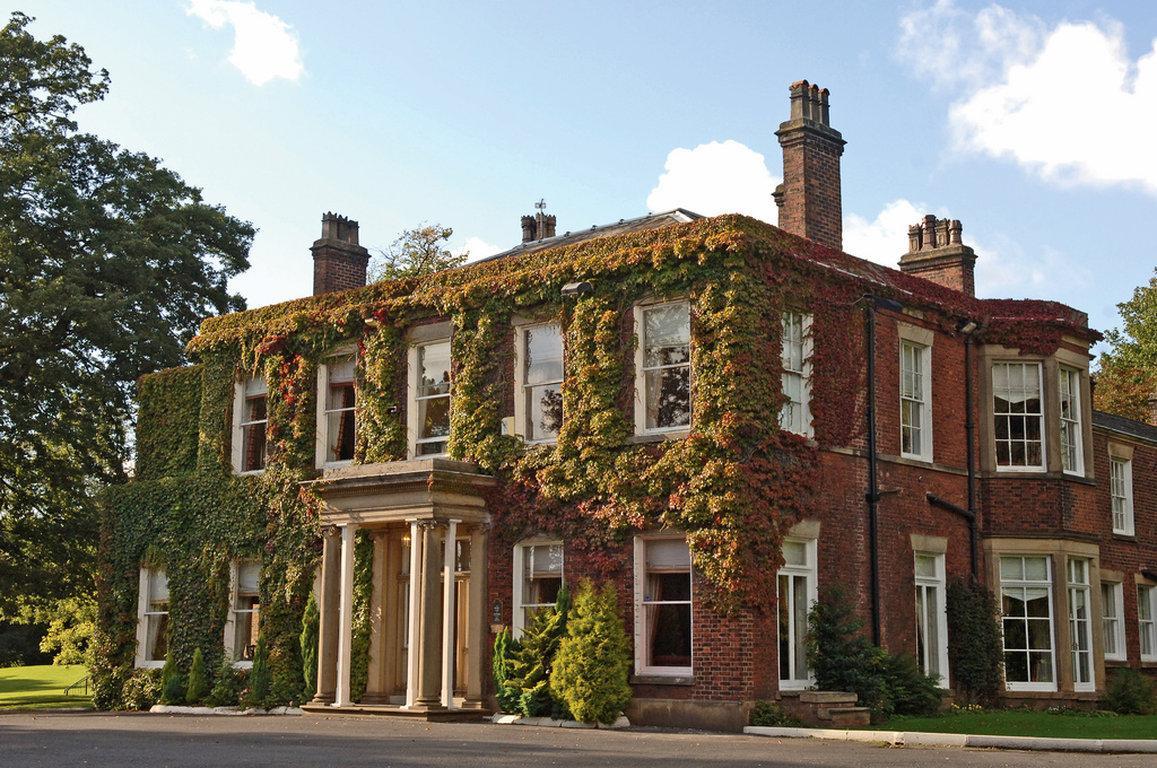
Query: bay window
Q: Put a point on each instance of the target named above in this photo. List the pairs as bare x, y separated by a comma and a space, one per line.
1027, 623
795, 358
1072, 455
538, 576
1147, 621
796, 590
663, 368
538, 404
662, 606
931, 617
1080, 623
1018, 416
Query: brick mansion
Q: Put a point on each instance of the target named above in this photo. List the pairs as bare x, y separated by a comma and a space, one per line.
718, 416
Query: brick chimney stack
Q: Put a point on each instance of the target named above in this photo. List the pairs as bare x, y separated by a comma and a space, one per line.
538, 227
809, 197
937, 253
1153, 409
339, 262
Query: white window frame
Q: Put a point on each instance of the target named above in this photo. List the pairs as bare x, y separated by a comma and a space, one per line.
938, 584
1113, 594
323, 410
924, 403
1074, 588
519, 560
521, 409
809, 572
804, 373
640, 577
232, 618
1040, 418
1147, 626
1031, 583
1121, 495
413, 427
143, 614
1069, 388
239, 426
640, 311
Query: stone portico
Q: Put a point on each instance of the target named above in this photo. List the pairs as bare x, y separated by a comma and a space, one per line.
429, 525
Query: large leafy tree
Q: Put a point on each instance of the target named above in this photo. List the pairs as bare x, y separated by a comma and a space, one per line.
107, 263
418, 251
1128, 375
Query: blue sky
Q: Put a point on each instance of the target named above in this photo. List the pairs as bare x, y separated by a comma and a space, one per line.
1034, 123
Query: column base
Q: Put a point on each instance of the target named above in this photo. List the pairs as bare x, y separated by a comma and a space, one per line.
427, 706
322, 699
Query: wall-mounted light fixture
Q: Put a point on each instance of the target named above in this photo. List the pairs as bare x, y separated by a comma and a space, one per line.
581, 288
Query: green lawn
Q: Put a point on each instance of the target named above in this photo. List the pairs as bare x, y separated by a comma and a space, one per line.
1019, 722
40, 687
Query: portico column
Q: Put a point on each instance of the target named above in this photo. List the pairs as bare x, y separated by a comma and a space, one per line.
476, 629
377, 691
328, 617
345, 625
449, 593
429, 647
414, 615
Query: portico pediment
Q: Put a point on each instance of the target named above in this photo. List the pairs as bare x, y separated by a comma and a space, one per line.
396, 491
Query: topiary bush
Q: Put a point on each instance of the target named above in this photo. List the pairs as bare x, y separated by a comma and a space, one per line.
198, 685
172, 683
310, 627
1129, 692
975, 648
531, 665
593, 662
505, 686
260, 679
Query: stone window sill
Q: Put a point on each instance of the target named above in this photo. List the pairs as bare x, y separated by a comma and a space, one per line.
661, 680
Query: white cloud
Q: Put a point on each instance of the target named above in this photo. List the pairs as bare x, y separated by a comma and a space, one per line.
885, 238
1066, 102
715, 178
264, 47
476, 248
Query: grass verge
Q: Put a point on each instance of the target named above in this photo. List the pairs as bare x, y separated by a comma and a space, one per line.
1019, 722
40, 687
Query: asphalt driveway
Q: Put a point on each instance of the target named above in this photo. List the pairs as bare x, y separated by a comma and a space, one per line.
96, 740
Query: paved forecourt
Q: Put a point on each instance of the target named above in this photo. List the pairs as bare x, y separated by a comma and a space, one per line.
96, 740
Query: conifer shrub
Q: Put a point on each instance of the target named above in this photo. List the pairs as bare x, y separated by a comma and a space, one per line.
310, 627
198, 685
505, 686
531, 666
226, 691
260, 678
1130, 693
172, 683
975, 648
594, 659
843, 659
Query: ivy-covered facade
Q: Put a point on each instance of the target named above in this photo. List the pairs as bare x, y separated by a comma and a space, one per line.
716, 415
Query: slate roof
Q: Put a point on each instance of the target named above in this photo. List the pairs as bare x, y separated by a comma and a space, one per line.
1124, 426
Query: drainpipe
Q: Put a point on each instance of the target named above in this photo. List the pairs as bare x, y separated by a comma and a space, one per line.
967, 327
873, 494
